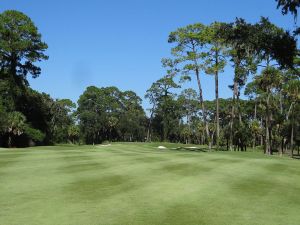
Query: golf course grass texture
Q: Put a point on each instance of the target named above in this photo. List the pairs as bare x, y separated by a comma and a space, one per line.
141, 184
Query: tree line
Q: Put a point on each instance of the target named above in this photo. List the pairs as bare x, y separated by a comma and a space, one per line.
262, 51
264, 59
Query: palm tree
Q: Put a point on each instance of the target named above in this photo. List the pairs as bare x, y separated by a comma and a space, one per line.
292, 90
15, 126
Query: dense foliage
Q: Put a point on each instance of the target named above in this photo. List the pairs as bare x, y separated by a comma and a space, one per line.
27, 117
107, 114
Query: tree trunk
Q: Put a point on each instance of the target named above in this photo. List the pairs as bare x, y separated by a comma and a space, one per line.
268, 144
217, 99
255, 110
227, 144
203, 107
165, 121
282, 147
261, 136
217, 108
280, 102
235, 87
254, 135
149, 125
165, 131
292, 130
238, 106
292, 140
189, 126
9, 143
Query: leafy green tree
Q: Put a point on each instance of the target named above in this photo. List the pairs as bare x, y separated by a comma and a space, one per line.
61, 118
73, 133
164, 101
215, 61
21, 47
34, 135
133, 118
255, 45
273, 44
266, 54
237, 37
188, 99
288, 6
188, 51
268, 82
109, 114
255, 94
153, 95
90, 114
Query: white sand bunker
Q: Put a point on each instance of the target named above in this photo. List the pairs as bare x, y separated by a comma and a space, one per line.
104, 145
161, 147
192, 147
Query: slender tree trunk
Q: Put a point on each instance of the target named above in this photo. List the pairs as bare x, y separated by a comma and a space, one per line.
267, 137
203, 107
268, 144
217, 98
282, 147
255, 110
9, 144
290, 112
202, 139
189, 126
165, 131
254, 135
148, 134
292, 141
149, 125
280, 102
271, 133
238, 106
292, 130
235, 90
227, 144
217, 108
261, 136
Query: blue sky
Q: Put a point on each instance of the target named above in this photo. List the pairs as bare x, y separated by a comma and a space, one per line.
121, 43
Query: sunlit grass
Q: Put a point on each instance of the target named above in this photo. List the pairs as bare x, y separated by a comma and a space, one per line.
141, 184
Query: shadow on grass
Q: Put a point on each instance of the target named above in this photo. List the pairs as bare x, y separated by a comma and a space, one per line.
296, 157
99, 188
192, 149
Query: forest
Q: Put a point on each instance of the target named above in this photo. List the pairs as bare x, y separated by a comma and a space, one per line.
263, 112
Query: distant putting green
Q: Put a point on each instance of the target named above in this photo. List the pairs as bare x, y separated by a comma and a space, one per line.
129, 184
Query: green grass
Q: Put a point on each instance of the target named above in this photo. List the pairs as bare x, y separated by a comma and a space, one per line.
140, 184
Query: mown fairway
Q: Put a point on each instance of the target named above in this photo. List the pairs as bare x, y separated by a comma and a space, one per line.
140, 184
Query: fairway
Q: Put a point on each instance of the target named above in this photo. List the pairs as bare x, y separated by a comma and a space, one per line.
140, 184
